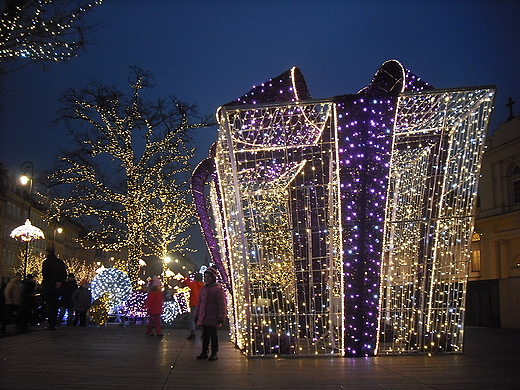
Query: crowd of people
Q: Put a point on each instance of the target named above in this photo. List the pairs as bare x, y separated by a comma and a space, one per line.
59, 291
67, 300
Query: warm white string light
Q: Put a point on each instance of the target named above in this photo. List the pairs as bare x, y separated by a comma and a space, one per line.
345, 225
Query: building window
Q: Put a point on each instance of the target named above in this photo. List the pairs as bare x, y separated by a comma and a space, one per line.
515, 184
516, 191
475, 253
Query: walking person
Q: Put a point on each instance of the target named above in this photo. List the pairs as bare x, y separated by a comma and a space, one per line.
210, 313
13, 297
154, 302
81, 300
195, 286
54, 273
69, 287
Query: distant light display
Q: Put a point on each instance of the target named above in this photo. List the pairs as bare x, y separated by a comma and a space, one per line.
345, 222
170, 311
115, 284
134, 306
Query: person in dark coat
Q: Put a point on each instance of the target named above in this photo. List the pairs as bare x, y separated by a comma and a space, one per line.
54, 273
13, 298
81, 302
69, 287
27, 302
210, 312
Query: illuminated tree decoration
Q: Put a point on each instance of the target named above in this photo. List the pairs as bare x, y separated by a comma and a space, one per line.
34, 264
137, 201
81, 269
345, 223
43, 30
115, 284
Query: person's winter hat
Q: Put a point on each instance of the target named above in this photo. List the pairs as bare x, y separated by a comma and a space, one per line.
156, 281
212, 271
50, 246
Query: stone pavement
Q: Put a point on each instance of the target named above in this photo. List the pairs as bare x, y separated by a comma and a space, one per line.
117, 357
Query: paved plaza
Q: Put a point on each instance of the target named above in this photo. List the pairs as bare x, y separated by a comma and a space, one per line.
119, 357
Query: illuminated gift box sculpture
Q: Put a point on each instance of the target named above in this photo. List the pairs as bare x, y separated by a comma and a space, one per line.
342, 226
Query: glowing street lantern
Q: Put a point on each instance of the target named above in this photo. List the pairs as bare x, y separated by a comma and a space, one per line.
27, 232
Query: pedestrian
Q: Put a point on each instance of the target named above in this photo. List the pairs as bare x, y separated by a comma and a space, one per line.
13, 297
153, 303
195, 286
27, 302
69, 287
54, 273
210, 312
81, 300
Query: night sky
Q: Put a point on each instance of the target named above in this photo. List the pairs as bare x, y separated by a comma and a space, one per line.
211, 52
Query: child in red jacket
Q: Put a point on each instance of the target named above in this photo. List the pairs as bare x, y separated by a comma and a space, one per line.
210, 313
153, 303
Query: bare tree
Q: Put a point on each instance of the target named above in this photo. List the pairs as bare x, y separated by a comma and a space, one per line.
129, 171
43, 30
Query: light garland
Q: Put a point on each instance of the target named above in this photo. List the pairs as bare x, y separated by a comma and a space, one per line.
134, 306
313, 224
39, 30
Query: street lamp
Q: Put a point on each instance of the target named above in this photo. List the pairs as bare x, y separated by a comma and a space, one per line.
27, 232
167, 272
58, 230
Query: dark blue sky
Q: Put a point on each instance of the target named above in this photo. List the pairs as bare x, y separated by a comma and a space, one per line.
211, 52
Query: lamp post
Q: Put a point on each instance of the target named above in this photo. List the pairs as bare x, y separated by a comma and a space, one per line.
28, 170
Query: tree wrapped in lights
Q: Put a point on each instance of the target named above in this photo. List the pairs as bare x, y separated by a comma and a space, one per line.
163, 236
43, 30
128, 174
81, 269
34, 264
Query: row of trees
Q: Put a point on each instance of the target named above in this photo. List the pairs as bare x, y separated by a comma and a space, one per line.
79, 268
126, 174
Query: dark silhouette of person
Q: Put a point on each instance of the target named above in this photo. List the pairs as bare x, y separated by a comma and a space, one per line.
68, 289
27, 302
54, 273
13, 296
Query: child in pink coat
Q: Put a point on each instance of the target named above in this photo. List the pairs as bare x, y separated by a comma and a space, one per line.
210, 313
153, 303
